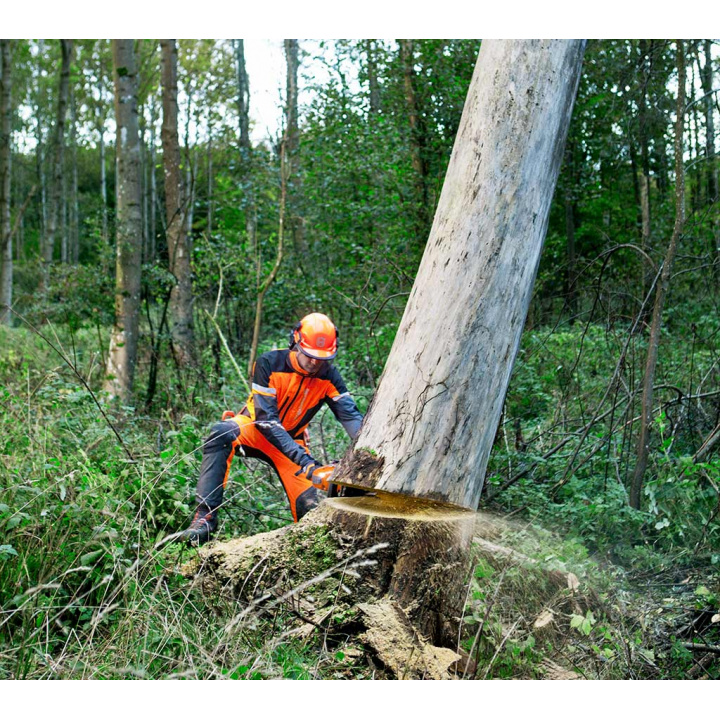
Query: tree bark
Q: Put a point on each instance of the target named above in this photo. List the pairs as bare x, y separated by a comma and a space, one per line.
243, 98
181, 300
56, 177
294, 223
6, 254
246, 158
644, 150
431, 425
371, 52
103, 181
707, 84
643, 445
74, 229
711, 161
210, 183
124, 337
152, 252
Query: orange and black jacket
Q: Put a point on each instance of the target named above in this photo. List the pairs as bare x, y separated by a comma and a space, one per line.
285, 398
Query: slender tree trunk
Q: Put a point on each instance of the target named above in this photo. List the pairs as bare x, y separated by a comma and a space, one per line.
711, 160
707, 83
295, 224
144, 189
246, 156
694, 178
153, 184
124, 337
103, 182
40, 166
371, 52
74, 254
644, 149
6, 253
285, 173
243, 98
210, 183
56, 179
181, 299
643, 446
64, 216
431, 425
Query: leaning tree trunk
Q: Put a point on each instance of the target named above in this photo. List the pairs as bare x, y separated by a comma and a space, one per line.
124, 337
431, 425
425, 442
56, 176
6, 254
175, 208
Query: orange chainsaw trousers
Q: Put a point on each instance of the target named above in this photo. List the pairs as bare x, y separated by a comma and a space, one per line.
241, 435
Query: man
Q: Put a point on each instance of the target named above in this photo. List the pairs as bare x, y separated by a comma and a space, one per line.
288, 388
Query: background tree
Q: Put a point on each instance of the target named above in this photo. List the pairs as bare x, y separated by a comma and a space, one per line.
176, 208
643, 444
122, 355
58, 149
6, 253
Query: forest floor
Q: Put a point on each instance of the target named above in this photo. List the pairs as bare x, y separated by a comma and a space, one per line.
88, 590
535, 607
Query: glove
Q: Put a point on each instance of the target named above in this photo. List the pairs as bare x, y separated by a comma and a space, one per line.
317, 474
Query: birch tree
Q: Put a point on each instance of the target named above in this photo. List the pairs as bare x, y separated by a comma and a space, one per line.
124, 336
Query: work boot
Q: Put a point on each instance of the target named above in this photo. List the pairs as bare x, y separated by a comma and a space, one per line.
201, 527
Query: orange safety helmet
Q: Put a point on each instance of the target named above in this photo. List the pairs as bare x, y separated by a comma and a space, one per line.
316, 336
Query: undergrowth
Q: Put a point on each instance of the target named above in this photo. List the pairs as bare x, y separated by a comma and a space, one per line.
88, 589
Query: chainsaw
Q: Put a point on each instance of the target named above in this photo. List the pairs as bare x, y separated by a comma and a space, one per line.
321, 480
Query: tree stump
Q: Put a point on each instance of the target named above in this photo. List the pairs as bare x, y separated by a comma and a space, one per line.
389, 569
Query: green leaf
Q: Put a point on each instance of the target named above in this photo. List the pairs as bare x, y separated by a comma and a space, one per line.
7, 551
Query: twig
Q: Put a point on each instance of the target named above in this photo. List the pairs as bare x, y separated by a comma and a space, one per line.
702, 648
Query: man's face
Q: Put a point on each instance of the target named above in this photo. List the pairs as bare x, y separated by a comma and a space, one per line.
310, 365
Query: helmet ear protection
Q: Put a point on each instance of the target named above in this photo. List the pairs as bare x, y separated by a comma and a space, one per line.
294, 336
